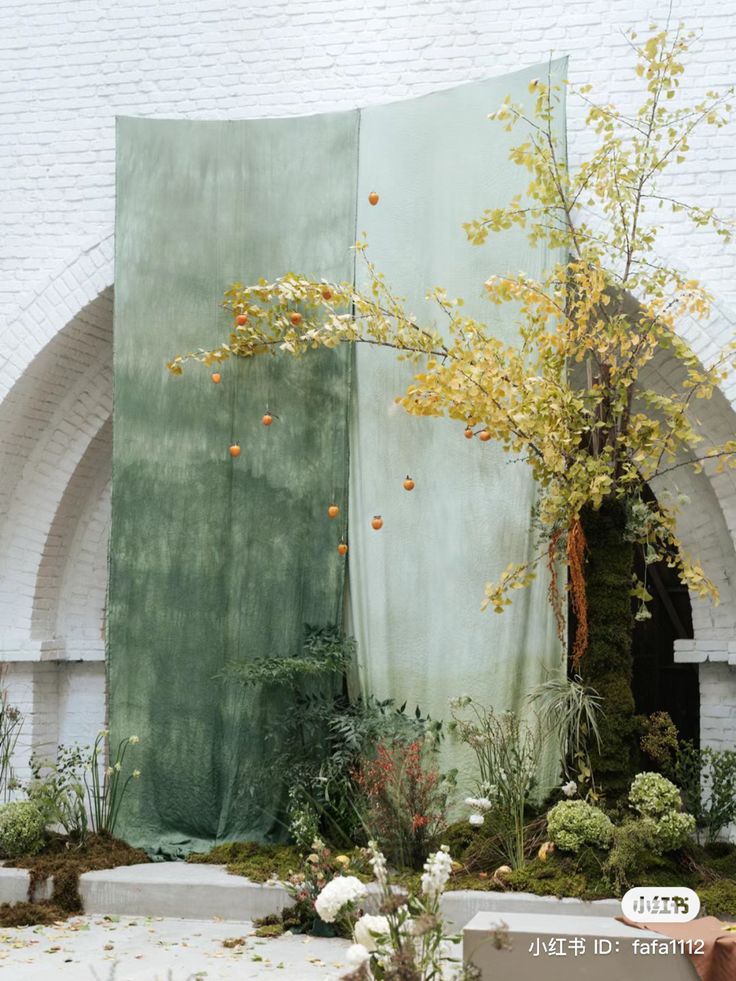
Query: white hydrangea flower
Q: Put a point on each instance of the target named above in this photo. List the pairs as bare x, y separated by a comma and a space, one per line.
570, 788
476, 820
357, 955
336, 895
365, 929
437, 870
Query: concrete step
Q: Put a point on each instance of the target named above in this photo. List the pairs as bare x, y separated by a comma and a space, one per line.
178, 889
543, 947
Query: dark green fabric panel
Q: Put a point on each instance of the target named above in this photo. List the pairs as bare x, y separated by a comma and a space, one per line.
214, 560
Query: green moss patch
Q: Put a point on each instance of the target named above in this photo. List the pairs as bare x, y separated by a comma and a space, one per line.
65, 862
256, 862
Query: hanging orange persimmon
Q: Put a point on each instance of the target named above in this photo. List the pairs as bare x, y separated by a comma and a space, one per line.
333, 510
342, 548
235, 450
484, 436
267, 418
373, 198
468, 434
216, 377
408, 483
241, 319
377, 522
326, 294
296, 318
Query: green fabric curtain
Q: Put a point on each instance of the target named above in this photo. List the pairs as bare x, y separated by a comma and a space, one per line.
216, 560
417, 584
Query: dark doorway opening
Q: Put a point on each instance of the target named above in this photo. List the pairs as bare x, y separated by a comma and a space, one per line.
659, 684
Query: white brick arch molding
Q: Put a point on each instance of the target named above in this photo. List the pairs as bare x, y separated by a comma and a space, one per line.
55, 462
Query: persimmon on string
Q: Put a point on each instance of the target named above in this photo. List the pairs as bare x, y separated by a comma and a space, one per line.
408, 483
484, 436
333, 510
216, 377
373, 198
468, 432
342, 548
267, 419
295, 318
242, 319
377, 522
235, 450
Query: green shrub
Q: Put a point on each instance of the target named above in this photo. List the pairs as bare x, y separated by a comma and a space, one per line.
574, 823
659, 742
708, 780
653, 795
718, 898
673, 830
633, 847
22, 829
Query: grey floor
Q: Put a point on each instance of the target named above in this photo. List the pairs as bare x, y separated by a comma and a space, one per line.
129, 948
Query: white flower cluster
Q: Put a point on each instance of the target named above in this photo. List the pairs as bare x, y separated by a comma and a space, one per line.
479, 805
437, 870
337, 894
570, 788
368, 928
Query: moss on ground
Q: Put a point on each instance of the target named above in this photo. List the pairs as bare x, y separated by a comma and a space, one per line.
710, 871
65, 862
255, 861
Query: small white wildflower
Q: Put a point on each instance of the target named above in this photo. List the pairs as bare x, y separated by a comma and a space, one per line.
367, 928
570, 788
476, 820
136, 774
378, 864
437, 870
133, 740
118, 767
460, 701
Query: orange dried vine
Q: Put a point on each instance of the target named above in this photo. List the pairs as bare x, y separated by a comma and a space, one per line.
576, 563
553, 593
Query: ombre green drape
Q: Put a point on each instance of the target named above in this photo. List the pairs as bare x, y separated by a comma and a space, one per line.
213, 559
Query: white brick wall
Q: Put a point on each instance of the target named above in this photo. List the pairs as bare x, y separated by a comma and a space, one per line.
67, 67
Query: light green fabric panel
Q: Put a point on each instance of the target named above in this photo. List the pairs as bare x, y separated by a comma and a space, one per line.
215, 560
416, 585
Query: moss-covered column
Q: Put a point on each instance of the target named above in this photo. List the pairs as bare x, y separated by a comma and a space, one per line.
607, 665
